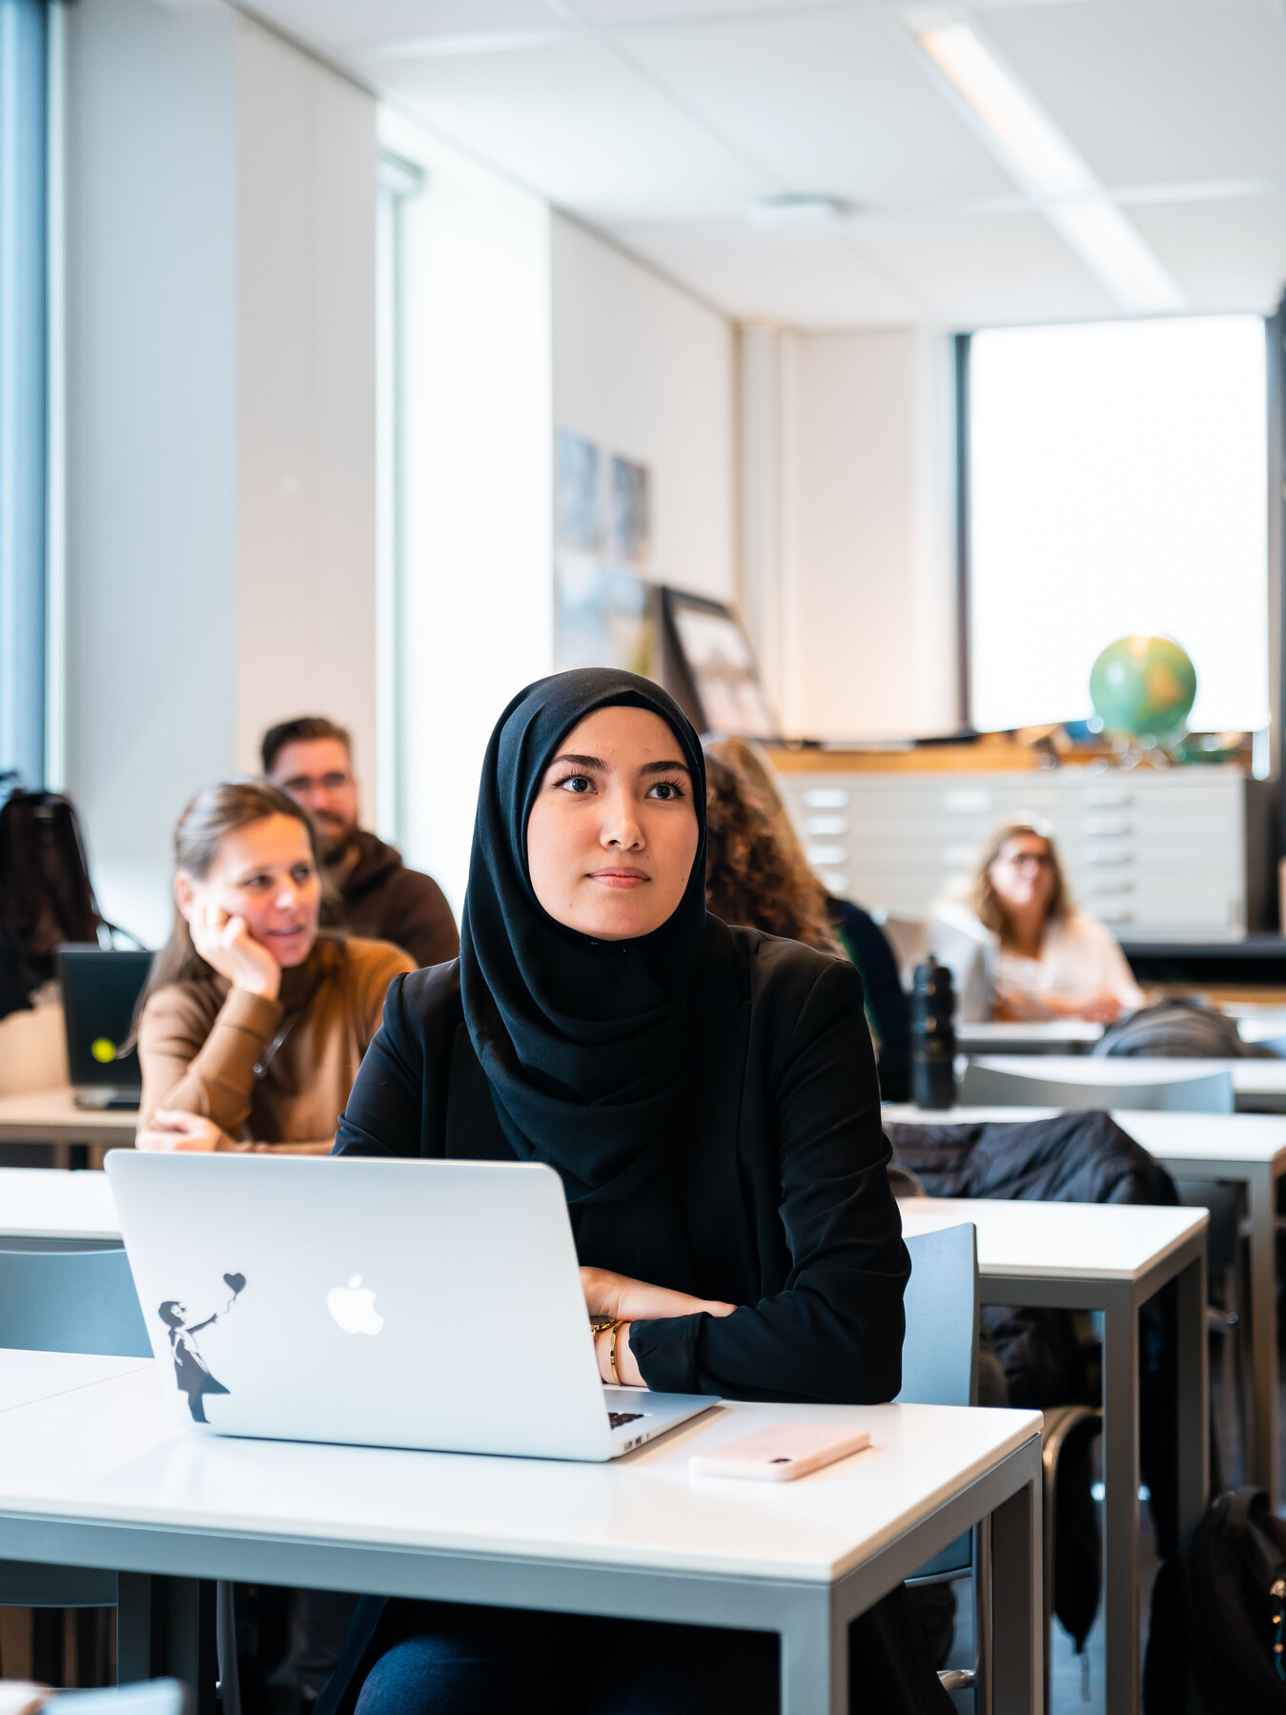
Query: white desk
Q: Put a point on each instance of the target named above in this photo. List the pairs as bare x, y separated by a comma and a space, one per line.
52, 1117
164, 1505
1027, 1036
1113, 1258
53, 1208
1078, 1035
28, 1377
1259, 1085
1246, 1149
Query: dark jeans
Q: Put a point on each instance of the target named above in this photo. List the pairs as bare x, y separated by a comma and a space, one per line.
487, 1661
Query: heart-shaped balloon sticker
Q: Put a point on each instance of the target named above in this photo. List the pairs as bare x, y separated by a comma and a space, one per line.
234, 1282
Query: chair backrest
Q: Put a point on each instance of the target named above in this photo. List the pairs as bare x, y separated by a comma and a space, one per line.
940, 1352
991, 1086
909, 939
71, 1301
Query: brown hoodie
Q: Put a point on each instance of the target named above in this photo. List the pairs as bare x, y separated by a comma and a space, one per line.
376, 895
208, 1048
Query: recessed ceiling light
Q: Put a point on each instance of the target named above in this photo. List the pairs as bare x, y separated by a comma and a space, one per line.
800, 208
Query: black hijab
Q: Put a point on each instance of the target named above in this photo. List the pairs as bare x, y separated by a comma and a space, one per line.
585, 1044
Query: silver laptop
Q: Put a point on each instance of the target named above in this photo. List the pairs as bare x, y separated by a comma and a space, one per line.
427, 1304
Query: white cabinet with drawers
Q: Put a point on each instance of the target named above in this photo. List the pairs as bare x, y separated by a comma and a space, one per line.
1151, 853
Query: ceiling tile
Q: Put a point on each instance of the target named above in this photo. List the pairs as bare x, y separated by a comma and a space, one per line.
838, 102
814, 280
1228, 255
1157, 89
992, 269
569, 120
395, 26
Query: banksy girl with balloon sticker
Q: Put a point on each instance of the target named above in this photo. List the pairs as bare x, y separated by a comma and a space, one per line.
190, 1369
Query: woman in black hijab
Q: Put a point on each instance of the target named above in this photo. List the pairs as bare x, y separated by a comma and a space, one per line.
709, 1097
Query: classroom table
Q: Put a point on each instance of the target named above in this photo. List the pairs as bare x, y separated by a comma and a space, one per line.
1259, 1085
50, 1208
1027, 1035
1078, 1035
28, 1377
52, 1117
165, 1505
1245, 1149
1112, 1258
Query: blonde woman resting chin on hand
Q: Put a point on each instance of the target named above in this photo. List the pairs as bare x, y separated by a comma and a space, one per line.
252, 1024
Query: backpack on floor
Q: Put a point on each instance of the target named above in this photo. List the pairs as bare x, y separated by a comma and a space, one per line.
1178, 1029
1217, 1641
46, 896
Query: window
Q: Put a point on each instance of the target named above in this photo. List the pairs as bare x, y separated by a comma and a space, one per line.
1117, 482
23, 385
399, 181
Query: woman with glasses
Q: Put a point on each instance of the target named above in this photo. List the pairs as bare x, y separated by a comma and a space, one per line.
1050, 960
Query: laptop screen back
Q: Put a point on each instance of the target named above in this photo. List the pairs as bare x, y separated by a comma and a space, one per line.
100, 988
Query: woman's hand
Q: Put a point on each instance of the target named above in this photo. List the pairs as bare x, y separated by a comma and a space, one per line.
171, 1128
608, 1294
226, 944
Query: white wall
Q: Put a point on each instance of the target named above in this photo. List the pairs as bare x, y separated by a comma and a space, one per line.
219, 257
644, 369
850, 566
477, 607
306, 168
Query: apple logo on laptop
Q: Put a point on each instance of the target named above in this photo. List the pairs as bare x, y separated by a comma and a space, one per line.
353, 1307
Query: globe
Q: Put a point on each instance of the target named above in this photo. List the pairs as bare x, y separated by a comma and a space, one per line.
1144, 687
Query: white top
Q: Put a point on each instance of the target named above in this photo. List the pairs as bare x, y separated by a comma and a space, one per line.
1231, 1139
116, 1454
47, 1203
1079, 959
1076, 1241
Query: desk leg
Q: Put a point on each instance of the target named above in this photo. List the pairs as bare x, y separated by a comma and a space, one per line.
1121, 1512
1262, 1191
165, 1627
814, 1661
1017, 1657
1193, 1392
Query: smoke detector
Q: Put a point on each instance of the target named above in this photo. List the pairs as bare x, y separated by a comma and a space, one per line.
800, 208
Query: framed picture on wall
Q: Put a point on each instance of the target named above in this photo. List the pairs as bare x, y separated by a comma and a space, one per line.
711, 668
604, 606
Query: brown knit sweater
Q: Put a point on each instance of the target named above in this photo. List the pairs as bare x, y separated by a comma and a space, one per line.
199, 1043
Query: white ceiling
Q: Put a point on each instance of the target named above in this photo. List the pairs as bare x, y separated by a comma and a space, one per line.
660, 121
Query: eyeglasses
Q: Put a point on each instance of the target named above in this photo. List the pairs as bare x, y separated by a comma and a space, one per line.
333, 782
1021, 860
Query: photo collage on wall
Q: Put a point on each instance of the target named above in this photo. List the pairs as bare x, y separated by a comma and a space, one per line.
604, 604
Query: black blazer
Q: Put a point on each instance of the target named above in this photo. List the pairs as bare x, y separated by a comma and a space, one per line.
785, 1190
783, 1186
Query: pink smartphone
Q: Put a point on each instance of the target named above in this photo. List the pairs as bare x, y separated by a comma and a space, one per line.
780, 1454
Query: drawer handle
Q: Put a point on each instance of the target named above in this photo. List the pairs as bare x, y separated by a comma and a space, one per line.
825, 798
962, 801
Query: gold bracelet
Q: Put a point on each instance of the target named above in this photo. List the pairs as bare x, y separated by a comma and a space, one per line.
611, 1356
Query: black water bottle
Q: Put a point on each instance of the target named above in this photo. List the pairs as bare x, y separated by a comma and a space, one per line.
933, 1036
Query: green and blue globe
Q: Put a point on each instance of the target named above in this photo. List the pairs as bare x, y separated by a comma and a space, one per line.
1144, 687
